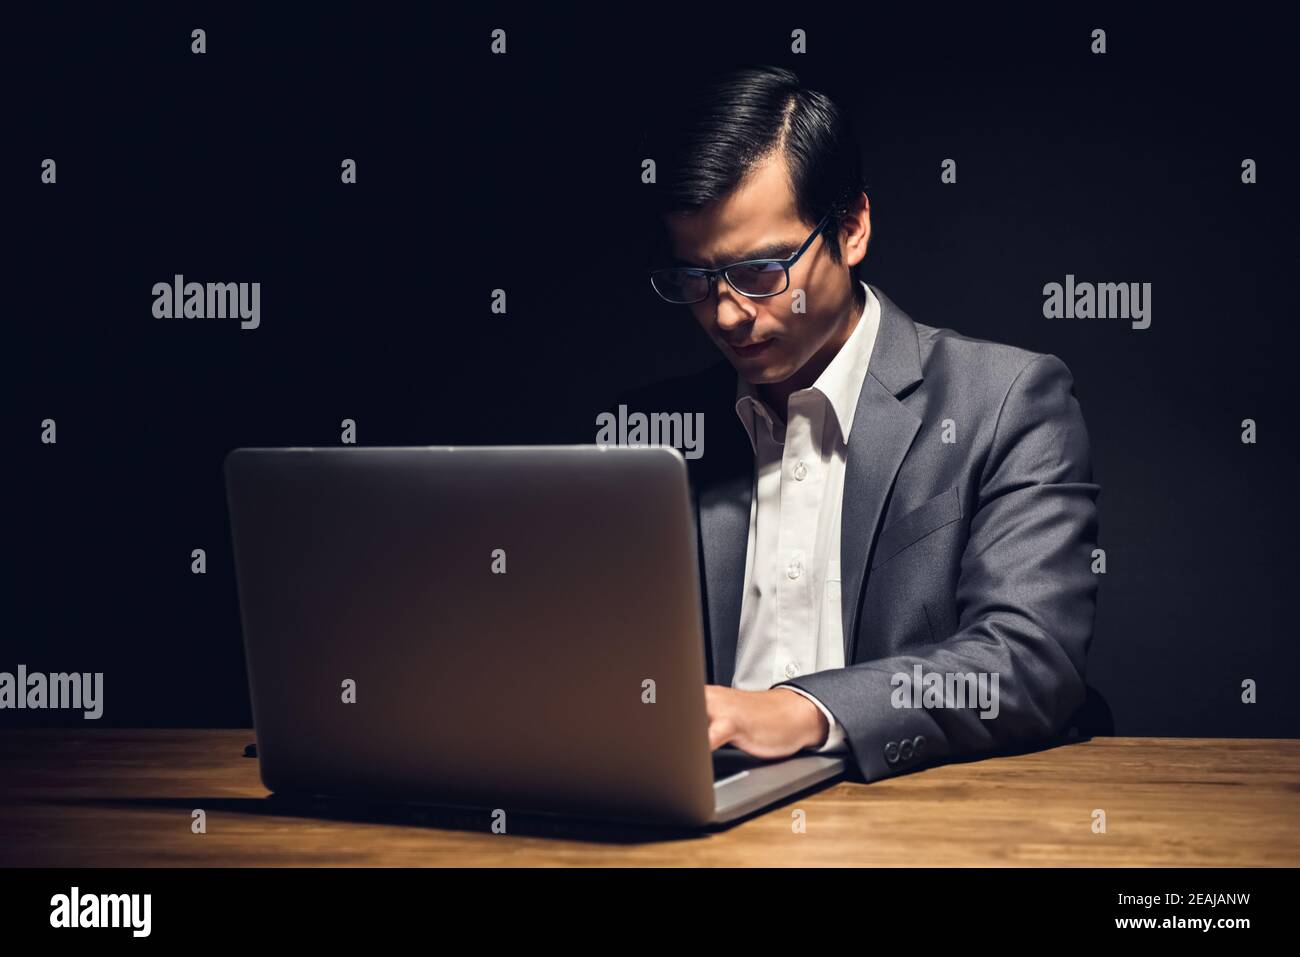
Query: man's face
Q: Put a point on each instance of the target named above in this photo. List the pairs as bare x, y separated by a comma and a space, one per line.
763, 338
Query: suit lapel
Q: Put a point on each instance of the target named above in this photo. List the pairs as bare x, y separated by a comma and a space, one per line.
724, 478
883, 430
724, 532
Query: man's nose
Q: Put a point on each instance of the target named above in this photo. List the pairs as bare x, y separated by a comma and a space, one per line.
731, 309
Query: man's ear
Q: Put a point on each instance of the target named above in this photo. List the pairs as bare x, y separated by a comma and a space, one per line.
857, 221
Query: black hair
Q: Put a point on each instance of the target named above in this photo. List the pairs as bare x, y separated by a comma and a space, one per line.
706, 139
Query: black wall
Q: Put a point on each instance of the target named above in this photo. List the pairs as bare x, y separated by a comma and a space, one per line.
521, 171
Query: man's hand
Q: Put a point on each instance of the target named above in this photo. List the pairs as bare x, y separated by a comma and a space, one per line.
767, 724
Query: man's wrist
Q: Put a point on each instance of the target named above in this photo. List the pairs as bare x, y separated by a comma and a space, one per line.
811, 719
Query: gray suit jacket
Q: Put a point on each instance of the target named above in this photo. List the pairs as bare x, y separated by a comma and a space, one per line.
967, 556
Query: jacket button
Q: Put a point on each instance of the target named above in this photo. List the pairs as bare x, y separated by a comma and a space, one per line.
918, 743
905, 750
891, 752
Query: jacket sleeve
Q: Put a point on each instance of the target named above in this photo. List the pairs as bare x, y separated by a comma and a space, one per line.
1025, 599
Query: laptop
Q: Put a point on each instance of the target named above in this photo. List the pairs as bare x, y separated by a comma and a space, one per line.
514, 627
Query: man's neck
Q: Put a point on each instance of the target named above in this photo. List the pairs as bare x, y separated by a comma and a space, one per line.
777, 394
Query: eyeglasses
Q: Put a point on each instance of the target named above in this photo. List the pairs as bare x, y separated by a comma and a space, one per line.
755, 278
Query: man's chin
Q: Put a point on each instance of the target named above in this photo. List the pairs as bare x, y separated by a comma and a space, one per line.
761, 373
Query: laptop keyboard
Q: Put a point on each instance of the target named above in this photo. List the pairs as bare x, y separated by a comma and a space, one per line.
728, 762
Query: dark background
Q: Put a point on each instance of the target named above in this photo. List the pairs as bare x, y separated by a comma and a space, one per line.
522, 172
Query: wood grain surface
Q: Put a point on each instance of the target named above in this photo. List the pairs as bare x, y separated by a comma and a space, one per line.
125, 798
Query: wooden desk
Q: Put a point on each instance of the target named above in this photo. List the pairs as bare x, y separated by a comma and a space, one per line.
124, 798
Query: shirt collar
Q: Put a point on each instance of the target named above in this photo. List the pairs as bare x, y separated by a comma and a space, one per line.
840, 382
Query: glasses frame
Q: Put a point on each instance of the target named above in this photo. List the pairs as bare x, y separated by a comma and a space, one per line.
713, 274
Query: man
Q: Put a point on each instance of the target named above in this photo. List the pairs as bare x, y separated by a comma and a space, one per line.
889, 513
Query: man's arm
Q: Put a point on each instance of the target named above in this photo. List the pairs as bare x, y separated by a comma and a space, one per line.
1026, 597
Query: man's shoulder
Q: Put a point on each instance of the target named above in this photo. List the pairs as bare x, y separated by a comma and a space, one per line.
947, 350
979, 371
950, 358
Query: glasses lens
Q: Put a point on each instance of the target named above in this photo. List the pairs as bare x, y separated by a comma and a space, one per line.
765, 277
680, 285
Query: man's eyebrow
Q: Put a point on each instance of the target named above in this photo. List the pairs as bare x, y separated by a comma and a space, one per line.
781, 250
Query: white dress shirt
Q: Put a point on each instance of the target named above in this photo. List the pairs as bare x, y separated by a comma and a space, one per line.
790, 615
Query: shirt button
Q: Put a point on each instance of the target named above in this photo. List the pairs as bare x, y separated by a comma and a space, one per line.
800, 472
795, 569
791, 670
